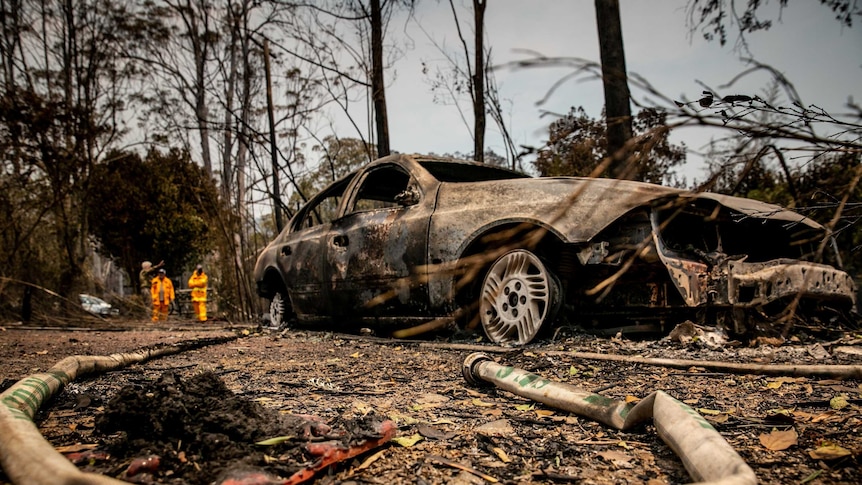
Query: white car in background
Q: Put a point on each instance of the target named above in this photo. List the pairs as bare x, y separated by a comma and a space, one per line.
97, 306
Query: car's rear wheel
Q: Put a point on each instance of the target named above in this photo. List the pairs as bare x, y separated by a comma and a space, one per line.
519, 294
279, 310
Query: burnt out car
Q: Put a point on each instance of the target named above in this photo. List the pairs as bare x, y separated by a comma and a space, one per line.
411, 242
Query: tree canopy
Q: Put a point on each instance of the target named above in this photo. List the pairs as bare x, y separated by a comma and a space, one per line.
161, 207
826, 190
577, 145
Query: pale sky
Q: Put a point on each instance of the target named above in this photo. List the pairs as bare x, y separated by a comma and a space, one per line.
822, 59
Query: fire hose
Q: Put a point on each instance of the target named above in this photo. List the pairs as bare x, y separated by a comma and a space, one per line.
707, 457
25, 456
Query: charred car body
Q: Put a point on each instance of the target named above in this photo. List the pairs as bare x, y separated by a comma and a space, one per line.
408, 240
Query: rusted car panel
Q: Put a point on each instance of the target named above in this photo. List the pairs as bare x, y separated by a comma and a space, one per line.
755, 284
411, 238
752, 284
751, 266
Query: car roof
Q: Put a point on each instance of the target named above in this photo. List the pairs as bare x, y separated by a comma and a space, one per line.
448, 169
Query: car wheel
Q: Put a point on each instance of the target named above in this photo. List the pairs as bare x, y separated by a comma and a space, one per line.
518, 295
279, 311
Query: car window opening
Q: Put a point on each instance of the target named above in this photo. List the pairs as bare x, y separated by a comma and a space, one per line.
380, 190
463, 172
323, 209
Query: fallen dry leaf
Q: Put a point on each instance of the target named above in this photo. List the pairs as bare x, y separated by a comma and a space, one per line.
619, 459
838, 402
461, 466
500, 427
408, 441
773, 341
402, 419
501, 454
719, 419
780, 412
803, 415
434, 433
828, 417
779, 440
777, 383
362, 408
828, 451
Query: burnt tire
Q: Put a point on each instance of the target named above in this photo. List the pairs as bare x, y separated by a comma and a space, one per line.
279, 311
518, 296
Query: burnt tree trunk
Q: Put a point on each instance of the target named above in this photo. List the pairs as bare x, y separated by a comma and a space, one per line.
273, 149
378, 92
479, 82
617, 108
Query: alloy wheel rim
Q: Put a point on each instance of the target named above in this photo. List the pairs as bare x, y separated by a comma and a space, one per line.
516, 298
276, 310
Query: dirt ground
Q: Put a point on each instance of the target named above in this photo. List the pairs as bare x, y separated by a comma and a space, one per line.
202, 415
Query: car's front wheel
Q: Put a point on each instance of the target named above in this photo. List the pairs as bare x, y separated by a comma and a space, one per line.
519, 294
279, 311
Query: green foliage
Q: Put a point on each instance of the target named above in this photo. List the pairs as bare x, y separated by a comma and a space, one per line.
59, 110
27, 243
752, 177
340, 157
158, 208
820, 189
577, 144
815, 190
490, 157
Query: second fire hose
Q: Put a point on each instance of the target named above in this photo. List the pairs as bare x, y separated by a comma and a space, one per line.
704, 452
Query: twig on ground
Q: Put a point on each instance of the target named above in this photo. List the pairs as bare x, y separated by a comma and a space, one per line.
443, 461
831, 371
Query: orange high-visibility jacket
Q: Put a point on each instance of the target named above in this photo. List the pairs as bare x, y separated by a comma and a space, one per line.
158, 285
198, 284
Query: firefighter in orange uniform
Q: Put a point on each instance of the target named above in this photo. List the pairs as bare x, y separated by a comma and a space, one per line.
198, 284
162, 291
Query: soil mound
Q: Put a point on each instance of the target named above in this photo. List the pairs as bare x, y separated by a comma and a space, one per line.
199, 432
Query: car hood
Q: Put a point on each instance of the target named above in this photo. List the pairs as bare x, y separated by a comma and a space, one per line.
579, 208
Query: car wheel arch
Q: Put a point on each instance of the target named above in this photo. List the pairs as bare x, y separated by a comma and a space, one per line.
485, 248
544, 243
271, 283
